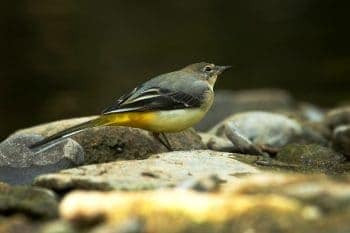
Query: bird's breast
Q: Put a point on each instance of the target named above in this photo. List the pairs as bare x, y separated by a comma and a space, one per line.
176, 120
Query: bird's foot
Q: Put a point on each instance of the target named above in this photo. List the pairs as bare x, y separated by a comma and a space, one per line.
164, 141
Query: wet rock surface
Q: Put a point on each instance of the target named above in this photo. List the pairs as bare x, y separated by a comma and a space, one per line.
274, 165
162, 170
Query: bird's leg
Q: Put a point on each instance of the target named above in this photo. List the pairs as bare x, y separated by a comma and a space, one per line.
165, 142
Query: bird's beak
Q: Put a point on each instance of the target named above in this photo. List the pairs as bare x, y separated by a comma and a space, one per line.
222, 68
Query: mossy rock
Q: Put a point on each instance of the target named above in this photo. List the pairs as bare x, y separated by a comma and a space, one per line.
34, 202
311, 158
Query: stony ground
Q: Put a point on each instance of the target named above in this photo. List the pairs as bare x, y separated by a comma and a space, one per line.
260, 162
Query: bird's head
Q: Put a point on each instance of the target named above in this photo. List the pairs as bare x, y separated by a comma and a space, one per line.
206, 71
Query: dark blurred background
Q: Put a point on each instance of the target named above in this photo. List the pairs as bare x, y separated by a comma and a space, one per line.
62, 59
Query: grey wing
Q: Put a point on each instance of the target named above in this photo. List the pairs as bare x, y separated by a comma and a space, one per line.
124, 98
158, 98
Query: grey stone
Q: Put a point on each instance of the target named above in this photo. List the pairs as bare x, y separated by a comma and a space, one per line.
160, 170
262, 128
214, 142
19, 164
32, 201
315, 133
104, 144
240, 141
338, 116
341, 139
228, 102
310, 112
250, 131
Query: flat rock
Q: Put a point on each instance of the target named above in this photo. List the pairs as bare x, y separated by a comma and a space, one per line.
19, 164
32, 201
261, 203
104, 144
228, 102
160, 170
177, 211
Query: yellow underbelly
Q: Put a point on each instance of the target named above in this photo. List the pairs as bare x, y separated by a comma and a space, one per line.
162, 121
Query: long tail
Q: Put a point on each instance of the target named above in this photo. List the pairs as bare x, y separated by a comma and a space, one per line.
52, 140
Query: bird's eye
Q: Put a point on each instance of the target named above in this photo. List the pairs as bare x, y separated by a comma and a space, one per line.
207, 69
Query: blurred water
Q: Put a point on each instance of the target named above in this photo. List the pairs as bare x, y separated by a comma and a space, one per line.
65, 58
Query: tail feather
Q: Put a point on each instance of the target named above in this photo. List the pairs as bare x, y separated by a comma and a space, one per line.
55, 138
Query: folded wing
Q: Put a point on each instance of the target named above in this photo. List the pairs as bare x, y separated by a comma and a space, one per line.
155, 99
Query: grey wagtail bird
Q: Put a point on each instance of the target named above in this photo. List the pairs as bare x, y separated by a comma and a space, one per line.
170, 102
